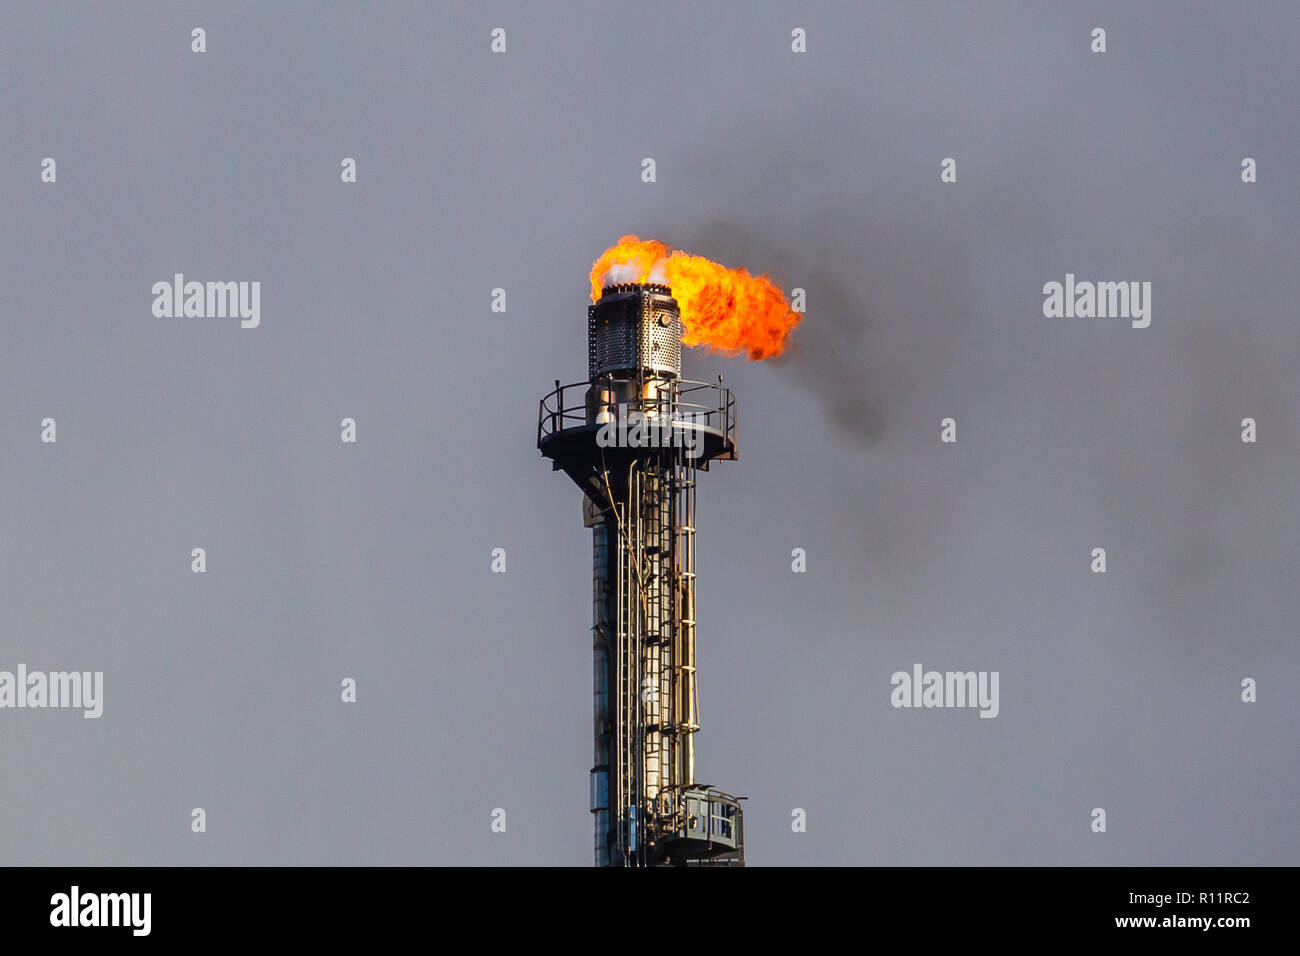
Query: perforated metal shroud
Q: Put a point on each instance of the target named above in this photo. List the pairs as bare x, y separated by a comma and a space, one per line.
634, 326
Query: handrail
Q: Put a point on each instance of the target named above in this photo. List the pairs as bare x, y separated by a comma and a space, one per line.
565, 407
721, 811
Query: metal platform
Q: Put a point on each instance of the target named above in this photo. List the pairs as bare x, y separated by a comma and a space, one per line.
701, 826
700, 413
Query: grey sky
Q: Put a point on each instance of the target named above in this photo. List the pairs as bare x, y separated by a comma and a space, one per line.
328, 560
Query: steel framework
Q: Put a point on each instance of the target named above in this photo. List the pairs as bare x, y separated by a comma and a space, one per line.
635, 444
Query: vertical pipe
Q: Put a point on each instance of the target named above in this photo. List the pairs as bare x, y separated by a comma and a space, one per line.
634, 663
690, 700
601, 629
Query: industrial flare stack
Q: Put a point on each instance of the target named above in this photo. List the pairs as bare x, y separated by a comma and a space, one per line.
639, 488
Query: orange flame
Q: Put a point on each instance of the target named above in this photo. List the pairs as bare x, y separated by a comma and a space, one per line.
728, 310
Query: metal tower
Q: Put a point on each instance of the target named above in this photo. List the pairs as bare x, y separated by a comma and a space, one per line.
634, 437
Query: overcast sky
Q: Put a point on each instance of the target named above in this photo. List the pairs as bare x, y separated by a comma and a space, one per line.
371, 560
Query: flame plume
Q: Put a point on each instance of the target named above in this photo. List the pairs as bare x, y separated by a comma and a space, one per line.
727, 310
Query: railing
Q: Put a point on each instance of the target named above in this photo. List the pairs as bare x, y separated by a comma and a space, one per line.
703, 813
709, 404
